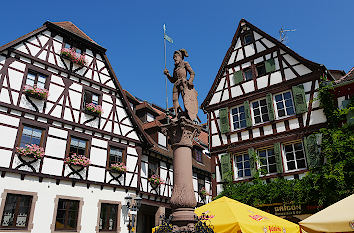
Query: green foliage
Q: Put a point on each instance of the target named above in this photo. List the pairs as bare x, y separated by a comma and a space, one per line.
323, 186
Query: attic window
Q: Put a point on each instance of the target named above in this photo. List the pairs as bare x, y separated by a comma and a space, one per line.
247, 38
261, 69
248, 74
70, 46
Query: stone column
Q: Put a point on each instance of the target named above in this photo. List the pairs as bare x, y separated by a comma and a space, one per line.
181, 134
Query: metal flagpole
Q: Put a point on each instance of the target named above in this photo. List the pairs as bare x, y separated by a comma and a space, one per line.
164, 43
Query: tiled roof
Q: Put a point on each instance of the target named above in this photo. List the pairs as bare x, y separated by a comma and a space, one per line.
349, 76
69, 26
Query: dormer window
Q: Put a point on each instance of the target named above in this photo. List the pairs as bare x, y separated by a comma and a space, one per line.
247, 38
149, 117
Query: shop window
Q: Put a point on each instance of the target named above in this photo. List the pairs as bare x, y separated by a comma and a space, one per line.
238, 117
78, 146
67, 215
294, 156
267, 159
242, 164
115, 155
30, 135
284, 104
16, 211
108, 217
36, 79
260, 111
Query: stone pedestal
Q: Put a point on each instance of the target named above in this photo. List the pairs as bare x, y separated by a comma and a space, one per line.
181, 134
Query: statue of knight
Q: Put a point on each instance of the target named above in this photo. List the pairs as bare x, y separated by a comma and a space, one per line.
183, 86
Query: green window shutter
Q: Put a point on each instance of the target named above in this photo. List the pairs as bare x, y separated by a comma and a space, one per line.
225, 167
246, 104
270, 107
270, 65
350, 117
253, 160
238, 77
345, 104
278, 157
299, 99
224, 120
312, 151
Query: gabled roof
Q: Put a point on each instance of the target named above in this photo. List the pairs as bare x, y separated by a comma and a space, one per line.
69, 26
347, 77
70, 29
241, 24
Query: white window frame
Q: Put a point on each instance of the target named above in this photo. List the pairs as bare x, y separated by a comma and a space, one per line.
259, 163
236, 170
285, 159
238, 114
283, 101
259, 106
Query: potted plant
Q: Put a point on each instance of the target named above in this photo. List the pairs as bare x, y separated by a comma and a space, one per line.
31, 151
203, 193
155, 181
36, 92
78, 161
93, 109
71, 55
118, 168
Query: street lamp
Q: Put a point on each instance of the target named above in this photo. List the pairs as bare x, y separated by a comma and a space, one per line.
133, 205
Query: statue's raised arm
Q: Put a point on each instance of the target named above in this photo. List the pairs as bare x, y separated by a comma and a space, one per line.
183, 86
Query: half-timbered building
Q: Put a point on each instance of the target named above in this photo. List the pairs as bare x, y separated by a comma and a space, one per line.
158, 160
261, 109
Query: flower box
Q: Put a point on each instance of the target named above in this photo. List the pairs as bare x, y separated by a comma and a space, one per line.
71, 55
77, 160
36, 92
118, 168
31, 151
93, 109
155, 181
203, 193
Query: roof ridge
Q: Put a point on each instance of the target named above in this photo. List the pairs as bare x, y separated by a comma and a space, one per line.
71, 27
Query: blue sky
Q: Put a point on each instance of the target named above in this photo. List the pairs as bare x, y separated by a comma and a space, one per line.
132, 33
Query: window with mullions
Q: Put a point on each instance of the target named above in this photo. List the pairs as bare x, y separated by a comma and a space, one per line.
69, 46
267, 161
238, 117
90, 97
201, 183
77, 146
16, 211
248, 74
115, 155
261, 69
36, 79
108, 217
198, 155
30, 136
67, 214
260, 111
242, 164
295, 156
153, 167
284, 104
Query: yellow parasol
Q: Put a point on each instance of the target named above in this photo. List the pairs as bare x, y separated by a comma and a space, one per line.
233, 216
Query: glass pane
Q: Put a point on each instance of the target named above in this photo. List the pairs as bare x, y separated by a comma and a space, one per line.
288, 148
256, 112
74, 142
234, 111
265, 117
242, 116
239, 165
257, 119
272, 168
243, 124
248, 38
291, 165
247, 164
236, 125
261, 69
235, 118
241, 109
280, 105
255, 104
247, 172
68, 46
271, 160
264, 109
290, 111
281, 113
262, 153
78, 51
289, 156
278, 97
301, 164
263, 102
288, 103
240, 173
95, 99
298, 146
245, 157
299, 154
238, 158
270, 152
287, 95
